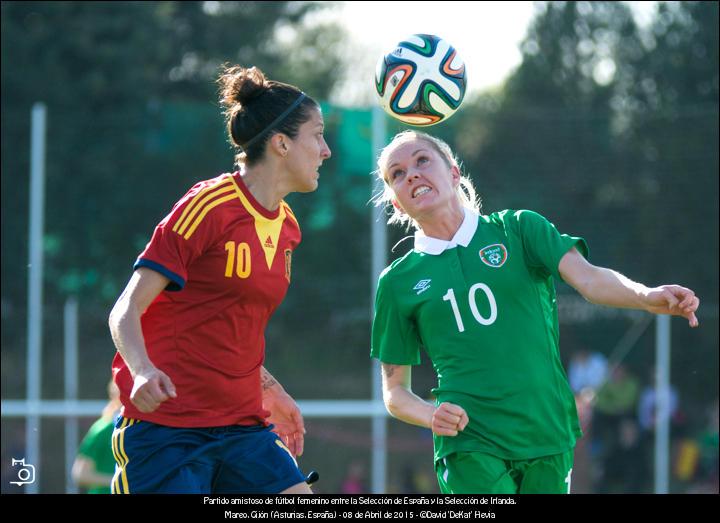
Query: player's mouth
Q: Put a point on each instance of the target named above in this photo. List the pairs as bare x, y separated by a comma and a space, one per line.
420, 190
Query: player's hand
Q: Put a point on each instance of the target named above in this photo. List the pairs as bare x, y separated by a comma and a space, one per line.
449, 419
150, 388
288, 421
675, 300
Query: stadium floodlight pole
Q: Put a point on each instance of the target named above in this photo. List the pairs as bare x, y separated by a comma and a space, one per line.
70, 318
662, 398
35, 293
378, 234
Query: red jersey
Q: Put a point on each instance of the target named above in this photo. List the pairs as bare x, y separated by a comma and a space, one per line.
228, 261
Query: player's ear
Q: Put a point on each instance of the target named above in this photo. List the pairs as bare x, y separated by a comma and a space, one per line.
279, 144
455, 172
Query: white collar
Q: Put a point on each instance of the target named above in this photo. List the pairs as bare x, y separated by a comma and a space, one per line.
464, 234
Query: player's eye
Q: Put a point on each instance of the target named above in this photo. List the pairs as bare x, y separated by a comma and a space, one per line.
422, 159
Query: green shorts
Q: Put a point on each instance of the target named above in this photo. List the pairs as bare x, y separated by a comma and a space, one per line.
480, 473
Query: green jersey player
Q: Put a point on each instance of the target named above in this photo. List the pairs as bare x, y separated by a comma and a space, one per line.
477, 294
94, 464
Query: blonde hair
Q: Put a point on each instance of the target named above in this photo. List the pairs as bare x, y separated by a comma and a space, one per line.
465, 191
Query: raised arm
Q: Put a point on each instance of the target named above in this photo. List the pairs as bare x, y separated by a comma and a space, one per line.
608, 287
445, 420
151, 386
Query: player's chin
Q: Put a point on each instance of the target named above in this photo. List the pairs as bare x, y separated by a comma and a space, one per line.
310, 186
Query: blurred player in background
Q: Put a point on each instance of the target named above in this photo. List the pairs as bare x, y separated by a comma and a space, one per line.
477, 293
189, 326
94, 464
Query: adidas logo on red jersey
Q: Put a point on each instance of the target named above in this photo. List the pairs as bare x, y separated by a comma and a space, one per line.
269, 243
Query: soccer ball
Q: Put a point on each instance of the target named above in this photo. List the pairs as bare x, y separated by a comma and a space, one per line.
421, 82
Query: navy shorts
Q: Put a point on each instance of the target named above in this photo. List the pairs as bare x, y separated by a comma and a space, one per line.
155, 459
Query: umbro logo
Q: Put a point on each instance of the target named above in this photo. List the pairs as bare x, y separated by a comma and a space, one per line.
422, 286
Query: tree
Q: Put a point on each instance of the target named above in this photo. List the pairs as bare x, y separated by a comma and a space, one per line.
120, 80
674, 126
611, 132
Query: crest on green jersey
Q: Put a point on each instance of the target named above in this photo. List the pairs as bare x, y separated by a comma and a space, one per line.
494, 255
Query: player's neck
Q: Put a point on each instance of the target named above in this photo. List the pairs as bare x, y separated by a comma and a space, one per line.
443, 223
262, 184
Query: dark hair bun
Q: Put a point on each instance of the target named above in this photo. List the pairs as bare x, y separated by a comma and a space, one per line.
238, 85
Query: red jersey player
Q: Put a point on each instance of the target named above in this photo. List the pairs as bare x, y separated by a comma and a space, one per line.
200, 412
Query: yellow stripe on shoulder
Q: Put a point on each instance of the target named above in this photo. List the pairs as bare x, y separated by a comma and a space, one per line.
289, 212
198, 201
207, 209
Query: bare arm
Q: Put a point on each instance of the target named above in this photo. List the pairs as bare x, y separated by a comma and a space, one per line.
284, 413
151, 386
85, 474
445, 420
608, 287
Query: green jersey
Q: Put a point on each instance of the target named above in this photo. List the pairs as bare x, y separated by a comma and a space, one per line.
483, 307
97, 446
